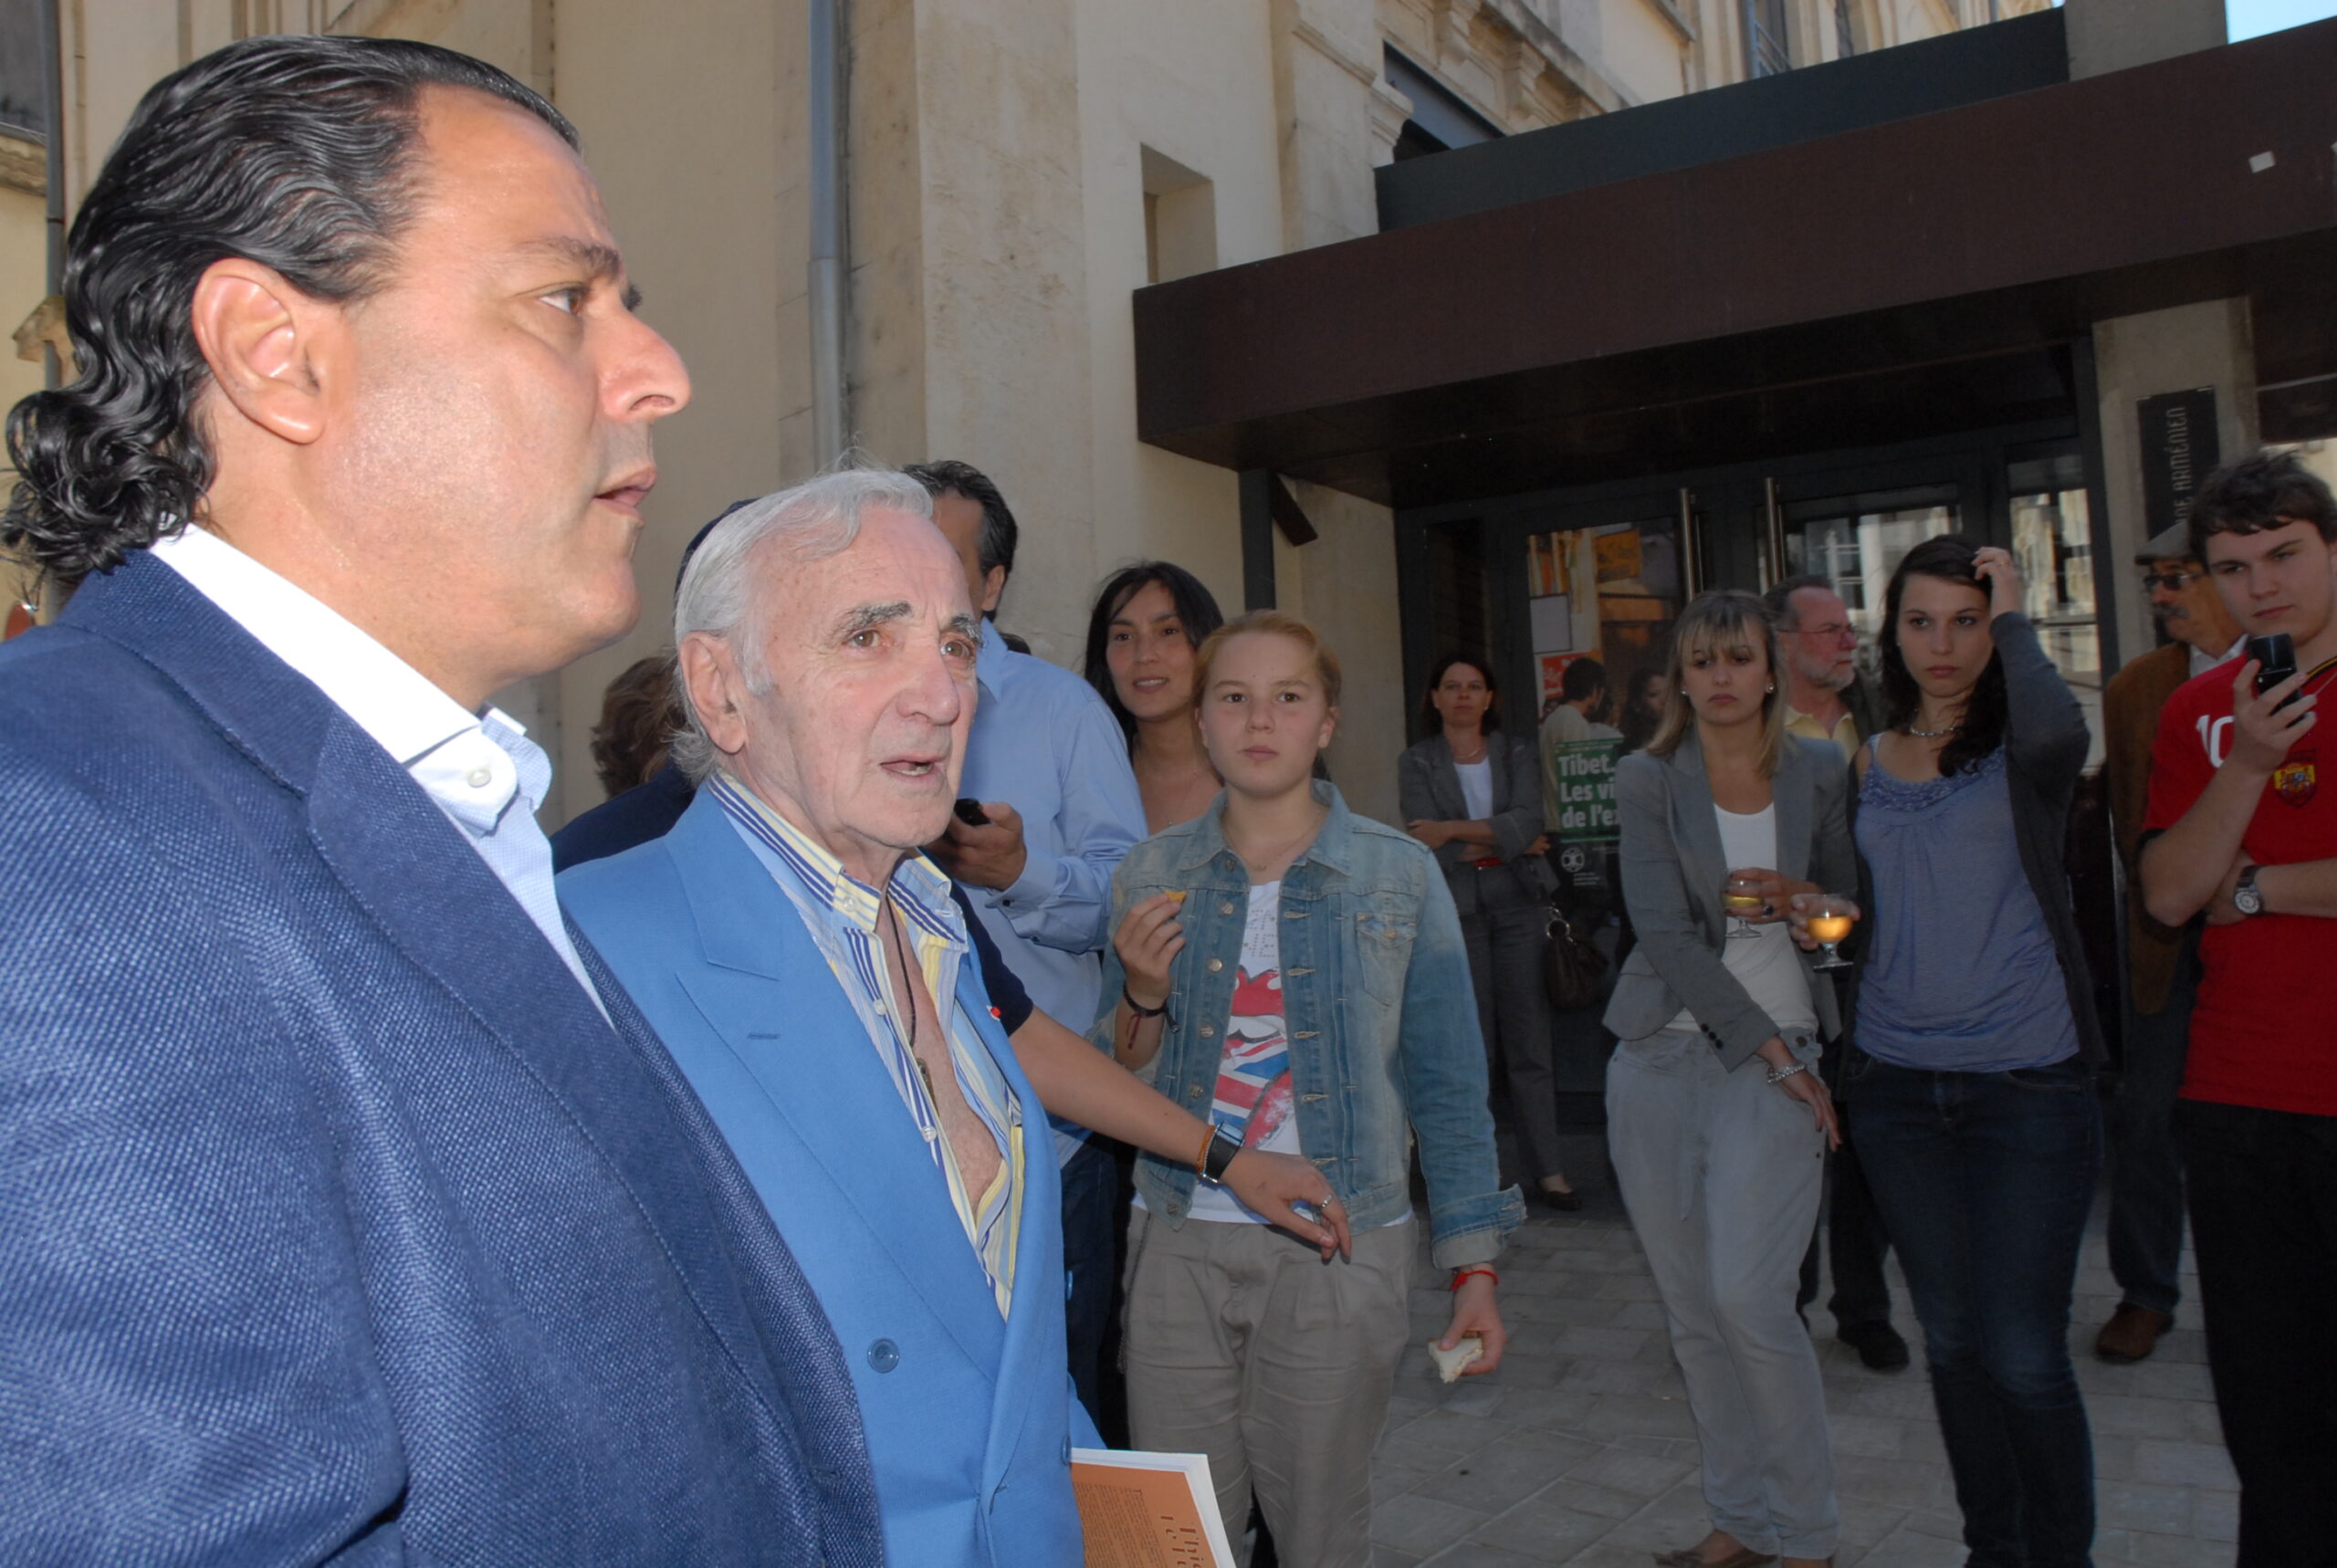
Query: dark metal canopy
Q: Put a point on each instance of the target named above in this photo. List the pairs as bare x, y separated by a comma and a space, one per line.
1922, 275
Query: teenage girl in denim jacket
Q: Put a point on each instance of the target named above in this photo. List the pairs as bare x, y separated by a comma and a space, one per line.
1296, 974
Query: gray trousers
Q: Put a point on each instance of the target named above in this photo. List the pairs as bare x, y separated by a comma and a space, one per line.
1720, 1171
1504, 935
1244, 1346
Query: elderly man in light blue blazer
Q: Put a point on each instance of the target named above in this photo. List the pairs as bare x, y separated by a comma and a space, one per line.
810, 972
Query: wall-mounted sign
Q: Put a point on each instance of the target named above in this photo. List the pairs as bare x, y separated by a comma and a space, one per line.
2180, 449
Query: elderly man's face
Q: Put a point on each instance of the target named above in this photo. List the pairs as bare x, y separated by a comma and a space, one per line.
2183, 597
1823, 646
492, 406
870, 651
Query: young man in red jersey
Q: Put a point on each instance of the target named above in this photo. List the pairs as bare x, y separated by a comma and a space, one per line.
2245, 836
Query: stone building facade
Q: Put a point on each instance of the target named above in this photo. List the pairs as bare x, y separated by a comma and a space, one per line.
1015, 169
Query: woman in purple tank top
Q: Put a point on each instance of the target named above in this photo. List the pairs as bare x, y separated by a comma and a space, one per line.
1970, 1084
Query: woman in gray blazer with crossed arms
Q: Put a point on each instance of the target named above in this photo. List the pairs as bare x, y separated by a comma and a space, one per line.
1473, 794
1717, 1121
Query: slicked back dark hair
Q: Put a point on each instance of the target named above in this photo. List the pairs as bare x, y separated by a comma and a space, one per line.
1949, 559
1197, 613
2270, 490
994, 546
298, 153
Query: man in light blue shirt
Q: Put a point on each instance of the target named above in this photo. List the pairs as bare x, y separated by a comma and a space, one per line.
1050, 766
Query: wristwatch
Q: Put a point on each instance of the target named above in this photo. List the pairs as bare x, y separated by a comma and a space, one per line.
2245, 897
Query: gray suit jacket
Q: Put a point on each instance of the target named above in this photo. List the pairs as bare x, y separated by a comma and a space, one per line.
1428, 787
1672, 871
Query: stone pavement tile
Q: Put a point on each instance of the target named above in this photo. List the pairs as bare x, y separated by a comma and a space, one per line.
1526, 1366
1606, 1555
2186, 1464
1388, 1557
1507, 1471
2215, 1516
1471, 1554
1864, 1525
1584, 1498
1477, 1396
1553, 1409
2134, 1416
2160, 1551
1443, 1433
1909, 1400
1421, 1525
1629, 1288
1543, 1531
2114, 1458
1617, 1414
2158, 1379
1603, 1345
1913, 1549
1647, 1315
1643, 1476
1670, 1522
2142, 1505
1519, 1308
1895, 1483
1875, 1436
1590, 1376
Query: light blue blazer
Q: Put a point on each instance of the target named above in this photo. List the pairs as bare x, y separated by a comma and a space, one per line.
969, 1416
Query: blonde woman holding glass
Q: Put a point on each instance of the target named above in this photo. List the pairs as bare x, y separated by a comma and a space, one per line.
1716, 1118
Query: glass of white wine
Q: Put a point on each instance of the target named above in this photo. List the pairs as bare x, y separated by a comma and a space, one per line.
1742, 899
1829, 918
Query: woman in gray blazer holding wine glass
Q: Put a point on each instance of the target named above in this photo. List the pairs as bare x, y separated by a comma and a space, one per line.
1716, 1121
1473, 794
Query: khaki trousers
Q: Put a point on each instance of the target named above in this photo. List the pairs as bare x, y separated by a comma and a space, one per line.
1244, 1346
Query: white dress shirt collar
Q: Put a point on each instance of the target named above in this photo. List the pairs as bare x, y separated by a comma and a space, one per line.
471, 766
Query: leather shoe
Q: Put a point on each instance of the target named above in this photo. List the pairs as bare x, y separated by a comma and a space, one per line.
1879, 1345
1743, 1557
2131, 1333
1567, 1200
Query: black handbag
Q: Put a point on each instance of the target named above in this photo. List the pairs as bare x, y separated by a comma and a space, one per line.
1571, 966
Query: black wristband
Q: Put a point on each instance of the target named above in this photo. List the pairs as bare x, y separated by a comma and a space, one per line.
1141, 1010
1222, 1150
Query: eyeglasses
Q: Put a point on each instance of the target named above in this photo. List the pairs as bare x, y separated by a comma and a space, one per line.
2172, 582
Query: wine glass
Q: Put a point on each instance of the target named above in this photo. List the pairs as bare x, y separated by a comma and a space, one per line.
1829, 918
1742, 899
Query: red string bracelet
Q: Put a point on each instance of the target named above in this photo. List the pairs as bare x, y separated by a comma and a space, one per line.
1461, 1275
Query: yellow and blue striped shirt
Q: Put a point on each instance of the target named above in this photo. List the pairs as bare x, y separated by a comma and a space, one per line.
841, 912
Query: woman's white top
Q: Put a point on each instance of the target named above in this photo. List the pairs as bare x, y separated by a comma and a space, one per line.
1762, 957
1477, 787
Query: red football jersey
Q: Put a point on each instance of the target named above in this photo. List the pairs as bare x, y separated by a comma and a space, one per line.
2264, 1032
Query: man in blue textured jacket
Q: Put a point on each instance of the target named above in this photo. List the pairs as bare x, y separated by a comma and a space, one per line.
348, 1212
812, 976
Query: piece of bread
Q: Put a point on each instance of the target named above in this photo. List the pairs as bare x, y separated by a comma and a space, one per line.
1450, 1364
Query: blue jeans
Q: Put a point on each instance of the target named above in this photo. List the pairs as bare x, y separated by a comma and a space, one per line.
1983, 1181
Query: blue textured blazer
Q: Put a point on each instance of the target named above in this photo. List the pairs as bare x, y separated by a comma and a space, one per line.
970, 1416
336, 1224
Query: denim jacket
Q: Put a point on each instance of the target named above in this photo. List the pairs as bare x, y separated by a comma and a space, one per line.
1380, 1013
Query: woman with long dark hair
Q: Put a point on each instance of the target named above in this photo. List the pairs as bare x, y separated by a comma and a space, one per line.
1716, 1119
1148, 620
1473, 794
1972, 1071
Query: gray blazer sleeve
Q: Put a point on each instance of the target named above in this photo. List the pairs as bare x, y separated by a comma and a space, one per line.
1522, 823
1680, 950
2045, 733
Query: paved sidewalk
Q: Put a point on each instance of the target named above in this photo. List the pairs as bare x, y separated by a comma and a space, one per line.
1580, 1449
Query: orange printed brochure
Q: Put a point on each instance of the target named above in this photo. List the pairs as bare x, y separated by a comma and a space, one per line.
1147, 1510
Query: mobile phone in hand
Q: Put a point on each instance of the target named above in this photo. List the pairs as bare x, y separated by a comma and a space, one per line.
969, 812
2277, 657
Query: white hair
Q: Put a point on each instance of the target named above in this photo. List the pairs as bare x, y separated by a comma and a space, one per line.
719, 595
